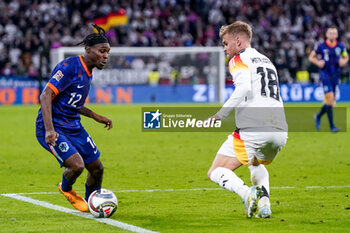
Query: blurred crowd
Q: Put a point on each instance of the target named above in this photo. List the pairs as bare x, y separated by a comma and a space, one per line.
285, 30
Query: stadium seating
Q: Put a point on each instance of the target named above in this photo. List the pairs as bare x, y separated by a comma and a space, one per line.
284, 31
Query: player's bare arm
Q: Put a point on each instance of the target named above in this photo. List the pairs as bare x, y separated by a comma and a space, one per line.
101, 119
313, 59
46, 107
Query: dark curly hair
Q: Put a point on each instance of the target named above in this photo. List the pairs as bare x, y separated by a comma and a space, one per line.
95, 38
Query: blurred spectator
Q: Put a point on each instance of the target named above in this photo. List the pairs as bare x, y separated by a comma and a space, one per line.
285, 30
32, 71
153, 78
20, 69
7, 70
153, 81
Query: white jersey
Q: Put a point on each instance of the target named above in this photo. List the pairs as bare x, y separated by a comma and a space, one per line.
256, 97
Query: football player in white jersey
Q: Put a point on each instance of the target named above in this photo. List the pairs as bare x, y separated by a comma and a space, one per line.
261, 126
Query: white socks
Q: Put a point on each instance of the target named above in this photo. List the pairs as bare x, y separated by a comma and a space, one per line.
229, 180
260, 177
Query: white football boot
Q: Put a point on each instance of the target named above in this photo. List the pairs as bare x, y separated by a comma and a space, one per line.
250, 200
264, 211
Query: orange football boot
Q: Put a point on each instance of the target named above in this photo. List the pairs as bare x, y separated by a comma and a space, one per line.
75, 199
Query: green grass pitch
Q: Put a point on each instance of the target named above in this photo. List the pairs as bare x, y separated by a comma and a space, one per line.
136, 160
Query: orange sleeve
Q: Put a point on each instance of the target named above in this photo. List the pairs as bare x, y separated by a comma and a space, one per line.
52, 87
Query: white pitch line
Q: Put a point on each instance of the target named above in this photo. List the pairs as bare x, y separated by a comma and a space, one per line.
108, 221
333, 187
185, 190
167, 190
151, 190
283, 187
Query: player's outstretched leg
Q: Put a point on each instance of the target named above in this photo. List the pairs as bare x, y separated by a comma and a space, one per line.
264, 206
334, 129
318, 116
317, 122
230, 181
94, 177
74, 167
260, 177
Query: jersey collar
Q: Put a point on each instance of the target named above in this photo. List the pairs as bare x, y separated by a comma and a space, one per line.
84, 65
329, 44
241, 51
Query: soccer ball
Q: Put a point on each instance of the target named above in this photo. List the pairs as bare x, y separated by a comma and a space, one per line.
102, 203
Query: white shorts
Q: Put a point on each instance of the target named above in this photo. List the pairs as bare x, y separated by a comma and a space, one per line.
246, 145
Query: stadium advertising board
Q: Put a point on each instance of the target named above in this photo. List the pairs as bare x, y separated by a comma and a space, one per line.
20, 90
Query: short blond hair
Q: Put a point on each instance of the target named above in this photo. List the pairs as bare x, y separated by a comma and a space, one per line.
235, 28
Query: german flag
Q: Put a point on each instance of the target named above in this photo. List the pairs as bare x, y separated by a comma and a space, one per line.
112, 19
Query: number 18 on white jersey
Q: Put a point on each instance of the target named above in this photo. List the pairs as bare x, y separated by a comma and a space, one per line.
256, 98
